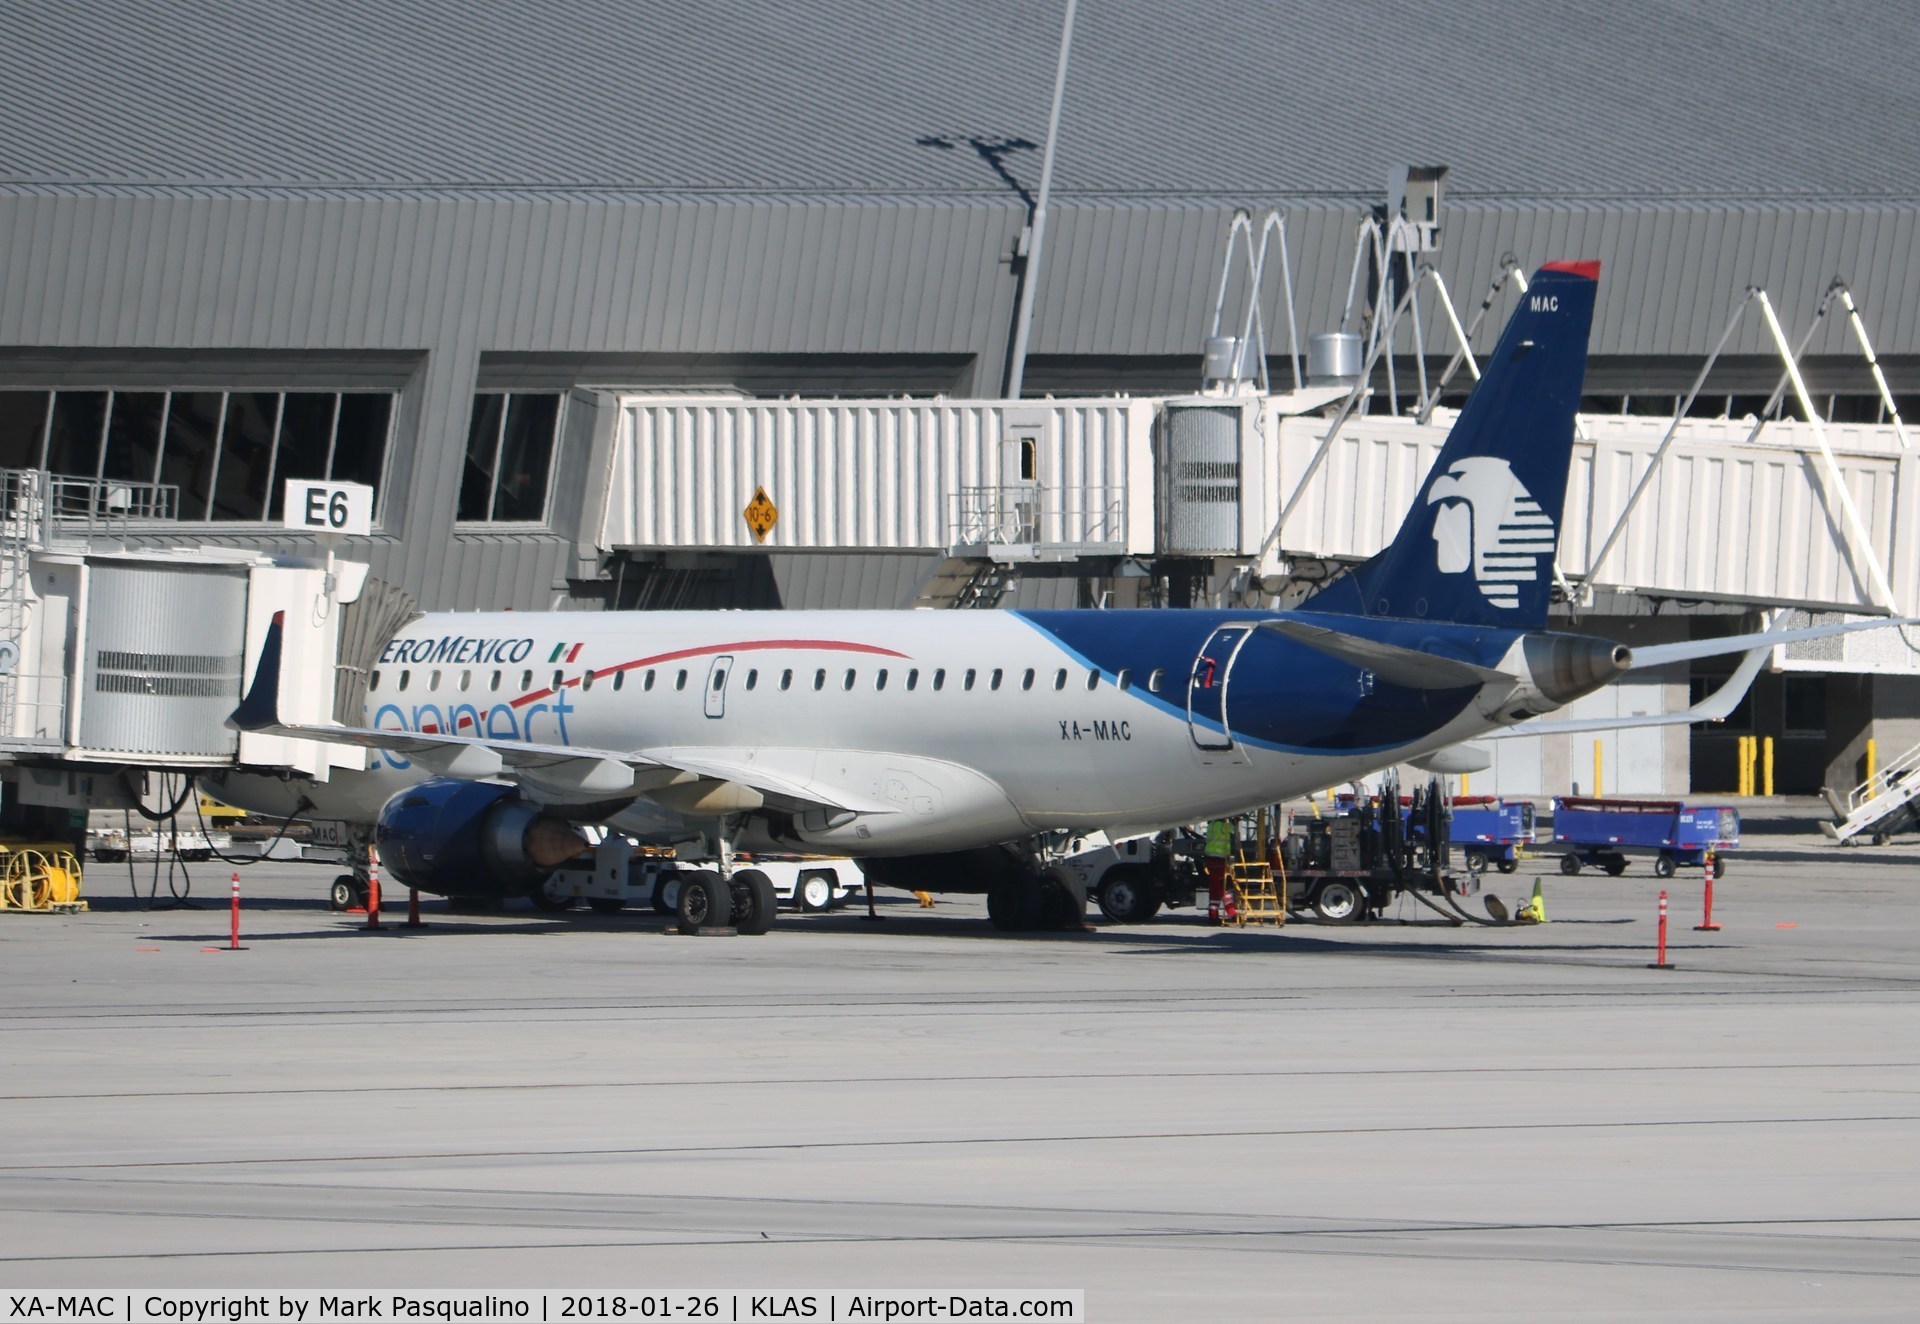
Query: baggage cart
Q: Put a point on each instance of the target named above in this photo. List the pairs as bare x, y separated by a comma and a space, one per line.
1601, 833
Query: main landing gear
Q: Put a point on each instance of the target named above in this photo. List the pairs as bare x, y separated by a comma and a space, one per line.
1024, 900
725, 898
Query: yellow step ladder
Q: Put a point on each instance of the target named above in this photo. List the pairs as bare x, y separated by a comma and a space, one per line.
1258, 902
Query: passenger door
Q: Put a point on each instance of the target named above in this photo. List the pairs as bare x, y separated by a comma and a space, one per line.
717, 685
1207, 687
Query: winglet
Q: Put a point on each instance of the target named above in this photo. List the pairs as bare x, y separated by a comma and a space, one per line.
261, 708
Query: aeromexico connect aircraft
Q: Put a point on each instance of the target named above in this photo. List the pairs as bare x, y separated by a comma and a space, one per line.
944, 747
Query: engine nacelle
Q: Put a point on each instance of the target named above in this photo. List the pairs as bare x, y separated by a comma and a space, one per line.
460, 838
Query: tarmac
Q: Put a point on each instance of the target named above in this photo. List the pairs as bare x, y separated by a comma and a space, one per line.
1400, 1119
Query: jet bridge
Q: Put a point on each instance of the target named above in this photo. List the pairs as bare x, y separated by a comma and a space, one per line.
115, 660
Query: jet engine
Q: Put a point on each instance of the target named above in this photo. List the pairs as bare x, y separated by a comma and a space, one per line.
477, 839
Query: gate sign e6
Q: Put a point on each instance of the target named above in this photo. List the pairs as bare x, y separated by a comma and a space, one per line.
337, 508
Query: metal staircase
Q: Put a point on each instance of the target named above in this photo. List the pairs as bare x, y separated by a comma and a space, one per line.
1881, 805
965, 581
1258, 901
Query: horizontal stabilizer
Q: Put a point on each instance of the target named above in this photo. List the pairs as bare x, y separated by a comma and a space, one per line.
1714, 708
1405, 667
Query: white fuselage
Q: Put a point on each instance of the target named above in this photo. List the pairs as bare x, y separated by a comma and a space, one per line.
932, 730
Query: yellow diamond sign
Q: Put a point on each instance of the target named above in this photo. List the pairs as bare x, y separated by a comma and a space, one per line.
761, 514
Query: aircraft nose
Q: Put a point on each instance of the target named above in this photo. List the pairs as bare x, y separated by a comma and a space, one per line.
1566, 666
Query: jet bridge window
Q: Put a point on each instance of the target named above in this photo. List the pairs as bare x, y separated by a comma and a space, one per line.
510, 445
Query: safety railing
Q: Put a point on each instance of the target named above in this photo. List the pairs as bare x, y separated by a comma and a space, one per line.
1039, 520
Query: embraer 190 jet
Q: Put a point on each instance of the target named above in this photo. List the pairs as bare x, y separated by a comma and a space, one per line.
946, 749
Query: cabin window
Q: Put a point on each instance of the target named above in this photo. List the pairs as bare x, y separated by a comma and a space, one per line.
993, 681
1026, 681
405, 677
913, 678
433, 680
648, 683
786, 679
967, 682
753, 678
586, 681
373, 682
1060, 679
1156, 678
466, 680
680, 680
559, 679
880, 679
1093, 681
846, 682
619, 680
940, 678
820, 679
1125, 679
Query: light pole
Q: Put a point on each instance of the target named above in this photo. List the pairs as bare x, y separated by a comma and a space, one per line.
1029, 280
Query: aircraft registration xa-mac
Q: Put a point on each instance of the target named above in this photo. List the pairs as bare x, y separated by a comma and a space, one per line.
946, 747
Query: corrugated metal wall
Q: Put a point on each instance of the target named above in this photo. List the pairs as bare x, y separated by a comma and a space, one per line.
445, 278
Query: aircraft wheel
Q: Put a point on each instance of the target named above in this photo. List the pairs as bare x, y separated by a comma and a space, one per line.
1615, 865
345, 894
1128, 896
813, 893
1570, 864
666, 893
762, 903
1339, 901
605, 905
1663, 865
706, 902
1508, 866
1063, 901
1007, 905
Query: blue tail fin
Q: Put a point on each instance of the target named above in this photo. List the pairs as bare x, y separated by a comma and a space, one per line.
1478, 546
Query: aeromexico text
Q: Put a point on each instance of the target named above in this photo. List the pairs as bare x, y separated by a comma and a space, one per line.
457, 650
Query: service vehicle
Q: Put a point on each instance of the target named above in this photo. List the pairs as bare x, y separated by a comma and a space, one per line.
1600, 833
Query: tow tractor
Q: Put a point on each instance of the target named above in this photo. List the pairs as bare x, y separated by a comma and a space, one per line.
623, 873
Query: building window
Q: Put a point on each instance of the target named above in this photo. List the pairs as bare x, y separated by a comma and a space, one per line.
510, 447
225, 451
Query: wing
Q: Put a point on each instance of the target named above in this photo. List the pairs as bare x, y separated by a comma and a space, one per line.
566, 772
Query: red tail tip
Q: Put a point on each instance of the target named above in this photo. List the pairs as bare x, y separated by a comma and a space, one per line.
1588, 267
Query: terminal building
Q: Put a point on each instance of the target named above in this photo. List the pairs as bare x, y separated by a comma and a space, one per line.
658, 305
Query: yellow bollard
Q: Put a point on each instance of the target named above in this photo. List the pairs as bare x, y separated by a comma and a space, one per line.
1871, 751
1597, 789
1766, 767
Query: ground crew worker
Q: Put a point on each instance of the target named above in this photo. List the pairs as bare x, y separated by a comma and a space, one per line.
1219, 851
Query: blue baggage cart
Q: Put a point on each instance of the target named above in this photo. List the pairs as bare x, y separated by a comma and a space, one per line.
1490, 831
1601, 833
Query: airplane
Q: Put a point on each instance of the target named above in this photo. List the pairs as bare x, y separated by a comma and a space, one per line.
953, 751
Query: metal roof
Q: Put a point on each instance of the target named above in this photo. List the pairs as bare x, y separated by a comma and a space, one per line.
1646, 99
